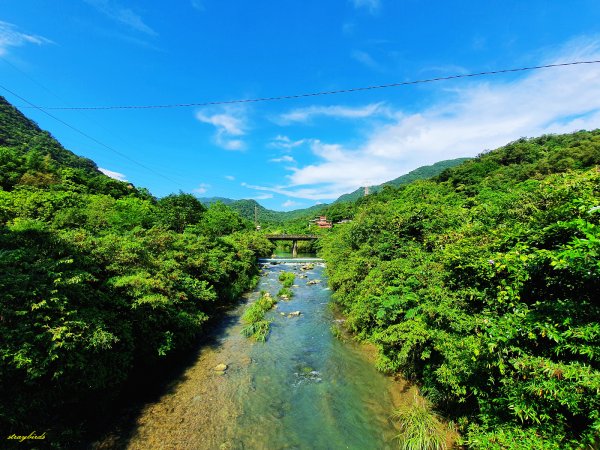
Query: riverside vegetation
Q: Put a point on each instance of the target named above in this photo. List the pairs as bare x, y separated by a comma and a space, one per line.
99, 280
482, 285
254, 317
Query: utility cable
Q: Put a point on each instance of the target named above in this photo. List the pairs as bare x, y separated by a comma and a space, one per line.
87, 135
322, 93
33, 80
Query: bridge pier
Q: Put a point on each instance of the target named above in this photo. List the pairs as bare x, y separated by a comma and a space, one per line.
294, 238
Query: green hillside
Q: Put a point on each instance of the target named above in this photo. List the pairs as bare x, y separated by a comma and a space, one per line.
271, 218
30, 156
482, 287
99, 281
267, 217
421, 173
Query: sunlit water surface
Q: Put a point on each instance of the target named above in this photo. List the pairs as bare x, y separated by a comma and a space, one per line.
302, 389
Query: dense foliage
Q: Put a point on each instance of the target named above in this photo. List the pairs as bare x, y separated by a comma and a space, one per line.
483, 285
97, 278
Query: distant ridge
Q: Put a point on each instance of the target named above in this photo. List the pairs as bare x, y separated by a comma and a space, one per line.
246, 206
210, 200
420, 173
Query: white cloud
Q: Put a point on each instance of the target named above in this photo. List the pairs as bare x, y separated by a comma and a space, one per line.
468, 119
123, 15
336, 111
263, 197
285, 143
229, 177
284, 158
371, 5
116, 175
201, 189
10, 36
290, 203
229, 123
312, 193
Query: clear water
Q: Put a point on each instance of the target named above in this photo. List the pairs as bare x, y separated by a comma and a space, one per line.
302, 389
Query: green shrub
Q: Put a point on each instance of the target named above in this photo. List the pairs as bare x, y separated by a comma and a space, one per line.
285, 293
254, 316
287, 279
420, 427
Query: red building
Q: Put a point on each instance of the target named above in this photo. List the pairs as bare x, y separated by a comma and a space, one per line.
322, 222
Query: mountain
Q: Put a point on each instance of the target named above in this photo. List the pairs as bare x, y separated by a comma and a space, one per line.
420, 173
246, 207
30, 156
210, 200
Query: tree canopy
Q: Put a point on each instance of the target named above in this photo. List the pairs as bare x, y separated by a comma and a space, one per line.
482, 286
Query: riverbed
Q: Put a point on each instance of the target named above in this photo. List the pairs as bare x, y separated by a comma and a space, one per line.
302, 389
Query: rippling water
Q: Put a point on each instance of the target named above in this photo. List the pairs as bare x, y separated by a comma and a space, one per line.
302, 389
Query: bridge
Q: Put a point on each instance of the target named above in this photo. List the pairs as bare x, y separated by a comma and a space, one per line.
294, 238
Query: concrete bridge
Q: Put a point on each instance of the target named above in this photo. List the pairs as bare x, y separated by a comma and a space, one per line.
294, 238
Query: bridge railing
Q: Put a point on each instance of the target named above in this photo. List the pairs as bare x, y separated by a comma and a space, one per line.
292, 237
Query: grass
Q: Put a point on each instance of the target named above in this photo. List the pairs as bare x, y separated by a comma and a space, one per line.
420, 427
254, 317
258, 330
287, 279
285, 292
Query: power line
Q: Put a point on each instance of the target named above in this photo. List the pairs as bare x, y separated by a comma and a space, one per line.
322, 93
33, 80
87, 135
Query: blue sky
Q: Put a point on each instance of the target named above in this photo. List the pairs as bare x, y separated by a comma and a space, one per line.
296, 153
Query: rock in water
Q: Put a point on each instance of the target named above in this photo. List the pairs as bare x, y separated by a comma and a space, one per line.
294, 314
220, 367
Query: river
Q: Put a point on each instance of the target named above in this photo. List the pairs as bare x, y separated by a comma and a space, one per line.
302, 389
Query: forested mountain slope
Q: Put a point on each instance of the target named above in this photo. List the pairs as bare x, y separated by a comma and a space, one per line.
483, 286
420, 173
30, 156
98, 279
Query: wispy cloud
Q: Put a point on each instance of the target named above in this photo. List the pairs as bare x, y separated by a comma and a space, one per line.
370, 5
336, 111
198, 4
290, 203
11, 36
122, 15
263, 197
116, 175
229, 177
284, 158
230, 124
465, 121
285, 143
201, 189
311, 192
367, 60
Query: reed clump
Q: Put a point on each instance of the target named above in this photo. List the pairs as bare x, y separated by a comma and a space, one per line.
257, 326
421, 428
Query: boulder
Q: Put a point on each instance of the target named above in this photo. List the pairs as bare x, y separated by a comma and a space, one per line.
220, 367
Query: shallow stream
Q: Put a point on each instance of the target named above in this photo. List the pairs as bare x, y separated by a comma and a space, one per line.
302, 389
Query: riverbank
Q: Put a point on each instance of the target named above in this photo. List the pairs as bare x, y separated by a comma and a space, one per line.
303, 388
